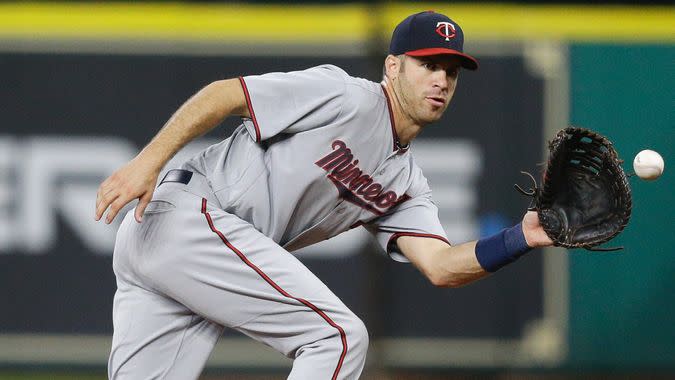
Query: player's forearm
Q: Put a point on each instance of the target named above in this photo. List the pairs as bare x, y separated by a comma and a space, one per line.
198, 115
443, 265
453, 266
457, 266
470, 261
496, 251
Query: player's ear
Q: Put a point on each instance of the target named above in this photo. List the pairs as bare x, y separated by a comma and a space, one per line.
392, 65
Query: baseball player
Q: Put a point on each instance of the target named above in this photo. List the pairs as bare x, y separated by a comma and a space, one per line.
319, 152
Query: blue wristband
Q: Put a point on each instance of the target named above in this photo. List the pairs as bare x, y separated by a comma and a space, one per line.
505, 247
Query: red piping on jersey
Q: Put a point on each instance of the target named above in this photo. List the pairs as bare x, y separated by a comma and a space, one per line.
391, 118
250, 109
242, 257
416, 234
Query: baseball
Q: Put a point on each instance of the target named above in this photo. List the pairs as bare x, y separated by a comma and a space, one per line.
648, 165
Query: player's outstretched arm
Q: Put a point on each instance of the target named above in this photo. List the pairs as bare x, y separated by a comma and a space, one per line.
454, 266
137, 179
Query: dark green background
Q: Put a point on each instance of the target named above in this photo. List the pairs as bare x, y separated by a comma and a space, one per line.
622, 305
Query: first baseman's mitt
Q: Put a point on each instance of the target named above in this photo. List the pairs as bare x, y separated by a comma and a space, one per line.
584, 199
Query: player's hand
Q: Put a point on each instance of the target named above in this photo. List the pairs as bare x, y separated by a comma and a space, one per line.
135, 180
534, 233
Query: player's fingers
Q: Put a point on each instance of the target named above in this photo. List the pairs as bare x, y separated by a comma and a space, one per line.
99, 197
142, 203
115, 207
106, 206
103, 195
103, 202
97, 214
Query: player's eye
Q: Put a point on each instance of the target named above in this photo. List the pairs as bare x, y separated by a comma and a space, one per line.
452, 72
430, 66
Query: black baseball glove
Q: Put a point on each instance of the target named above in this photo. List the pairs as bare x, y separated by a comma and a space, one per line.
584, 199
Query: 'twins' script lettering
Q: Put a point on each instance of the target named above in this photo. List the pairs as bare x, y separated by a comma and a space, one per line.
353, 185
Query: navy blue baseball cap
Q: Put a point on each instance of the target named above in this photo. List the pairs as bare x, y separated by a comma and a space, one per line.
430, 33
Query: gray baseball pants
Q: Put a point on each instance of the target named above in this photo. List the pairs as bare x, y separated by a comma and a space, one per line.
191, 269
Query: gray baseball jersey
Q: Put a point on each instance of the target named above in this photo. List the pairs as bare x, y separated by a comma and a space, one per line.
318, 156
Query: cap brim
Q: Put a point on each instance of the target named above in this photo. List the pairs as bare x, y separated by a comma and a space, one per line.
468, 62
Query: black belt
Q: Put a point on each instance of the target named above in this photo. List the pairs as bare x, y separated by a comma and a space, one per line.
177, 175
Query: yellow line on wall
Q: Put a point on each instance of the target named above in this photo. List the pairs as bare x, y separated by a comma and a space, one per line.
576, 23
183, 22
325, 24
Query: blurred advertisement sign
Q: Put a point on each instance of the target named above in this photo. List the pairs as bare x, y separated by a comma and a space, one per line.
50, 176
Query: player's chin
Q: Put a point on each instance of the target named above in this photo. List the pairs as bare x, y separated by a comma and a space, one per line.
433, 115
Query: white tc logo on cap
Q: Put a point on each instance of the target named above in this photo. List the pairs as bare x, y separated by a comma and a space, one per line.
445, 29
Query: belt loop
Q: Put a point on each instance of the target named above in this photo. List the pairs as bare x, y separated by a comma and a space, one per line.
177, 175
195, 184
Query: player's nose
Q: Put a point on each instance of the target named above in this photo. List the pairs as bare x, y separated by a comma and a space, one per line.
440, 80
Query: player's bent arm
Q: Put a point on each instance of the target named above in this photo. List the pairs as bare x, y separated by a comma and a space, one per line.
452, 266
198, 115
444, 265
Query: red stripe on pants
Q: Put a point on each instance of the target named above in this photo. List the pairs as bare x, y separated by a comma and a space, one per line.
281, 291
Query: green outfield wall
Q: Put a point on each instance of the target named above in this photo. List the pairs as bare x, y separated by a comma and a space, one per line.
622, 305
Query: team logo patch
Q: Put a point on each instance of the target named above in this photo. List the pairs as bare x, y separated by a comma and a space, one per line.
446, 29
353, 184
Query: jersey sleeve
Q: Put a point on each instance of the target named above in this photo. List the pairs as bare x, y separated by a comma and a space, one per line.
293, 102
418, 216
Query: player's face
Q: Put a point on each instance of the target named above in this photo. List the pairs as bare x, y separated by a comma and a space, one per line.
426, 86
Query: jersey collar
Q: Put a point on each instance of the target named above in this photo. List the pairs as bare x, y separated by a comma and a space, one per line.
397, 147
